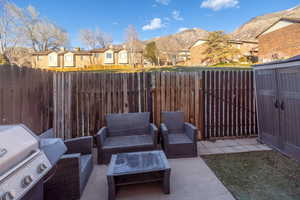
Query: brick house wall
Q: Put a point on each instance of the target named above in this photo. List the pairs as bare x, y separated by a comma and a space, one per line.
282, 43
197, 55
247, 47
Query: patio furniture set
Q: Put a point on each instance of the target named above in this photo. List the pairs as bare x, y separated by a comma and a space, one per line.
130, 145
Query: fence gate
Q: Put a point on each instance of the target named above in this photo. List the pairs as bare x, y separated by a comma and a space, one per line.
229, 104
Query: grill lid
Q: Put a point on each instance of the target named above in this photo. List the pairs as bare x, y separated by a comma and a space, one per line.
16, 144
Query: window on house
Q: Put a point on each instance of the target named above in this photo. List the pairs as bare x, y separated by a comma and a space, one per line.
123, 55
109, 55
81, 57
38, 58
97, 55
68, 58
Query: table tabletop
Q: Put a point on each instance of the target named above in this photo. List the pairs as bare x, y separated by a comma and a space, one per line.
137, 162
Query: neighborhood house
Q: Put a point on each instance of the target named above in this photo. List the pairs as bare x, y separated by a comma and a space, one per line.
247, 49
113, 55
280, 40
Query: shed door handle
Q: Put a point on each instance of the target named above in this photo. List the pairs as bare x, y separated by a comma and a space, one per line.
276, 103
282, 105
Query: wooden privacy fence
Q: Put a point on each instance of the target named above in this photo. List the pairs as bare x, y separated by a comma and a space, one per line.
83, 99
220, 103
26, 97
229, 105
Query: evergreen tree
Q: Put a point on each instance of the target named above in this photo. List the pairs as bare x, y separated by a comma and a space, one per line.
219, 49
151, 52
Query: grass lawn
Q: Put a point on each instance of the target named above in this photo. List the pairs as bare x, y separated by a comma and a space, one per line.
257, 175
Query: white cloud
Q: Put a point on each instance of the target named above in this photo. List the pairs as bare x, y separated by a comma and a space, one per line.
155, 23
176, 15
182, 29
163, 2
167, 19
219, 4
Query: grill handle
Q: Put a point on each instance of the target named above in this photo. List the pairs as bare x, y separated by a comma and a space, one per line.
2, 152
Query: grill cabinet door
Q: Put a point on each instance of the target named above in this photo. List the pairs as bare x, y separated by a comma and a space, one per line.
268, 106
289, 95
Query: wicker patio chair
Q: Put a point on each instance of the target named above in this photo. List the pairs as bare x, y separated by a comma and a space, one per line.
126, 133
179, 139
72, 170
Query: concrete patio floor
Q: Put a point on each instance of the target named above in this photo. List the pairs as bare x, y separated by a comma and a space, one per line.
230, 146
191, 179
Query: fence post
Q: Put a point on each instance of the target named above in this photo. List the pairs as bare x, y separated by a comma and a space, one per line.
202, 105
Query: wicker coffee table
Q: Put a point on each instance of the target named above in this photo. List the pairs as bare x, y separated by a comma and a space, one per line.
138, 167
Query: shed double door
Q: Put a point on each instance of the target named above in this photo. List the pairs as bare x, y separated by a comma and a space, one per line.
278, 95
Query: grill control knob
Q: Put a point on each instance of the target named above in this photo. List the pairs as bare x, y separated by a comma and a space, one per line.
41, 168
7, 196
26, 181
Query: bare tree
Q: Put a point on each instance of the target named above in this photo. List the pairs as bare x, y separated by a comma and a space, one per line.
9, 38
95, 38
49, 36
36, 32
132, 44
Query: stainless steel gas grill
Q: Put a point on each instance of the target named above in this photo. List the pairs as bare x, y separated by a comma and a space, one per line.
24, 161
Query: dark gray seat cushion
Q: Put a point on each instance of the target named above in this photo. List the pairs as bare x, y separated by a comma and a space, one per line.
174, 121
128, 141
179, 138
128, 124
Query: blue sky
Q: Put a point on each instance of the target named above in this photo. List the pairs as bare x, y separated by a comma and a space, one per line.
152, 18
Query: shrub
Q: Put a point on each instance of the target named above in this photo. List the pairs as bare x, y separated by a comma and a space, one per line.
3, 59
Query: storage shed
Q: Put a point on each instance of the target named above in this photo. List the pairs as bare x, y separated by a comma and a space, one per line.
278, 105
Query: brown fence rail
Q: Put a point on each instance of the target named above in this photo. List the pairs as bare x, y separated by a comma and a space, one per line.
220, 103
26, 97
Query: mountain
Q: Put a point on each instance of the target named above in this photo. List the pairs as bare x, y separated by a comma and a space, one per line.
255, 26
179, 41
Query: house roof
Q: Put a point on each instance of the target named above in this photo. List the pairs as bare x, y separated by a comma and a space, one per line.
98, 50
231, 41
81, 52
41, 53
202, 39
115, 48
62, 52
293, 59
45, 53
243, 41
293, 20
